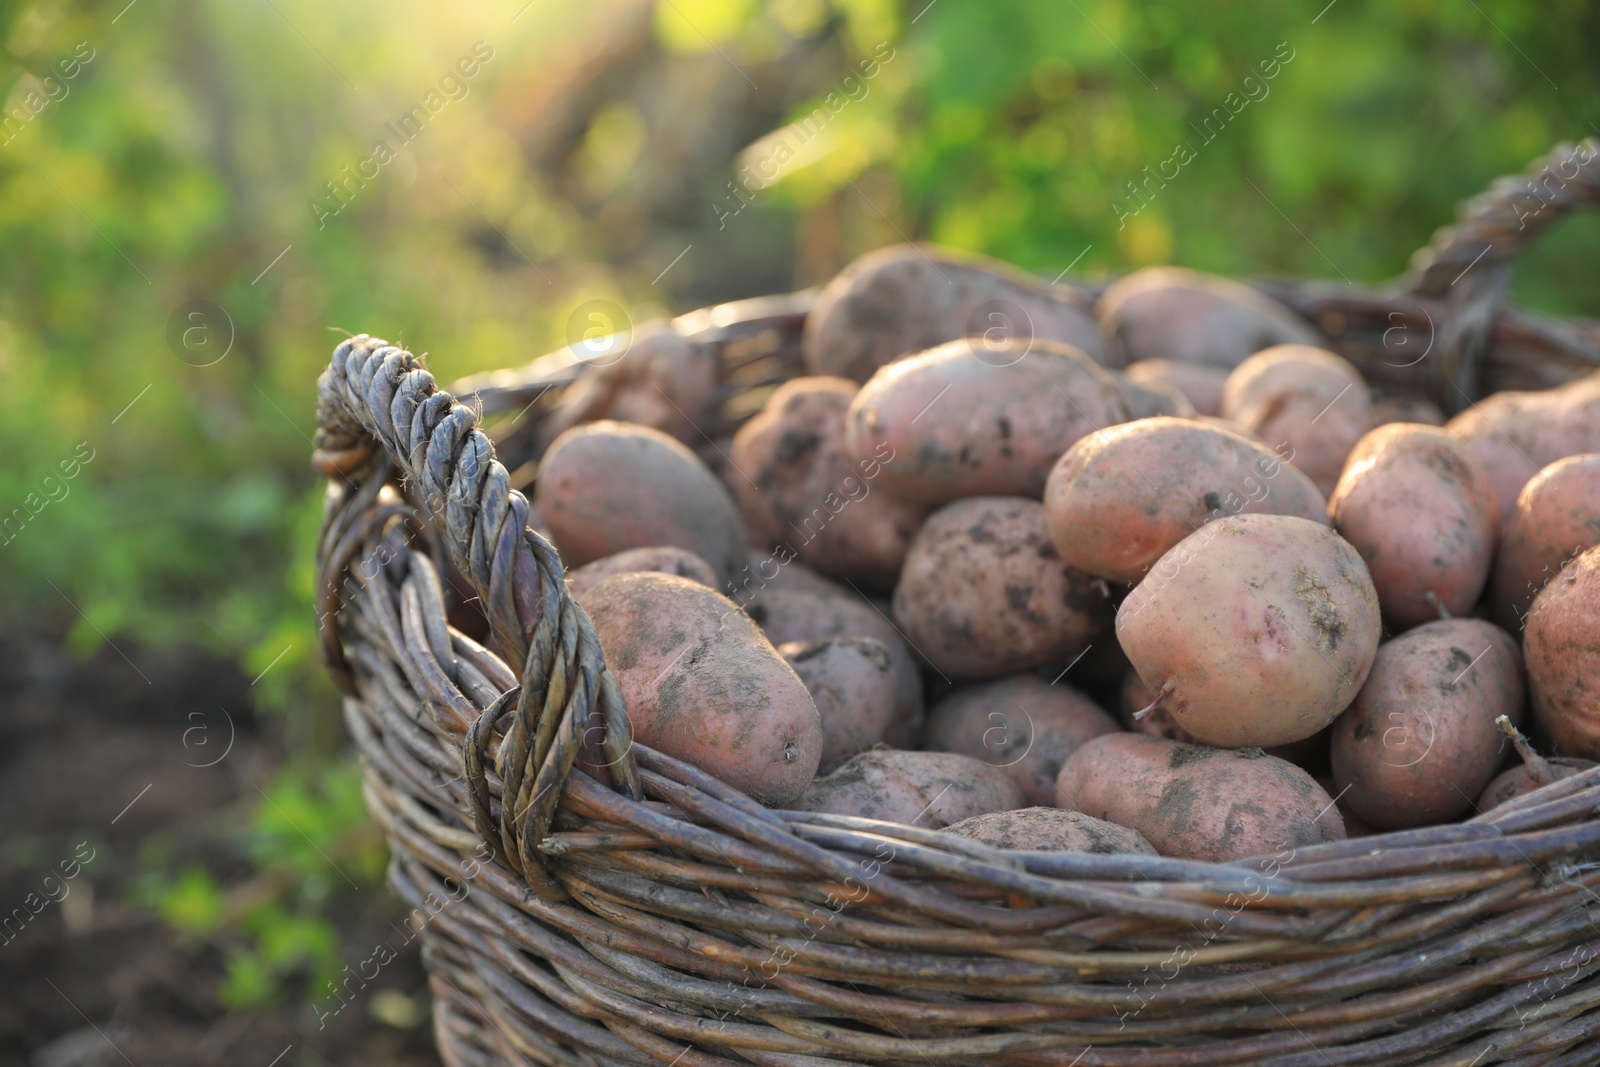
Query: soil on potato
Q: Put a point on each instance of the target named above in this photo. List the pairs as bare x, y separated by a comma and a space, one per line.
95, 752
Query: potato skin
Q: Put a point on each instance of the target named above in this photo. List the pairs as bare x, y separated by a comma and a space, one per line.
1420, 741
1051, 830
1421, 510
797, 484
984, 592
851, 680
1556, 517
962, 420
797, 612
1263, 625
1023, 725
909, 298
1307, 398
1562, 644
930, 789
1201, 382
1518, 434
662, 559
1121, 497
1189, 317
702, 684
661, 381
605, 487
1199, 803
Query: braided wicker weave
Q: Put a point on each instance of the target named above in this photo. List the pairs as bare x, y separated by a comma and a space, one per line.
661, 917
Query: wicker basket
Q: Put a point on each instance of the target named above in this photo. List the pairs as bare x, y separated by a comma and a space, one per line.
663, 918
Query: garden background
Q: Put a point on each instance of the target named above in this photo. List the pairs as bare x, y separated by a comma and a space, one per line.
198, 196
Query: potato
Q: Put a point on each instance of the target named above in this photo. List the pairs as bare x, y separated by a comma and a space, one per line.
653, 377
1022, 724
984, 592
1557, 515
1198, 803
605, 487
851, 680
1121, 497
797, 484
1201, 383
703, 685
964, 421
662, 559
1518, 434
1561, 640
1535, 773
1306, 398
1257, 630
1420, 741
1051, 830
1188, 317
1147, 400
1405, 408
795, 612
930, 789
909, 298
1420, 508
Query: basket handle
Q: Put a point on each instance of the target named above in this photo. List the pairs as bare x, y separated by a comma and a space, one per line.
379, 412
1468, 263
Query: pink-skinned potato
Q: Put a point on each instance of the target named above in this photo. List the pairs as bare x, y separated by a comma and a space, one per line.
1557, 516
703, 685
1194, 802
909, 298
1420, 508
605, 487
652, 376
662, 559
984, 592
1518, 434
1257, 630
799, 610
1023, 725
851, 680
1186, 316
797, 484
1043, 829
1121, 497
927, 789
1201, 382
1561, 641
1420, 742
1308, 404
966, 419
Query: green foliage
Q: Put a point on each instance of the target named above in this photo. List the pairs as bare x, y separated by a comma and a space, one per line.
313, 850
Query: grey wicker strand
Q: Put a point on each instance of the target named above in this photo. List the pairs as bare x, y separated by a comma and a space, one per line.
378, 409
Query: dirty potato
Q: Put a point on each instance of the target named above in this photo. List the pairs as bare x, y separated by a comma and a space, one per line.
1557, 516
1189, 317
964, 420
851, 680
1308, 399
1022, 724
1256, 630
1051, 830
928, 789
984, 592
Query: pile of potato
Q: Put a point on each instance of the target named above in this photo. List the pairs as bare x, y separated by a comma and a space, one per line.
1150, 573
